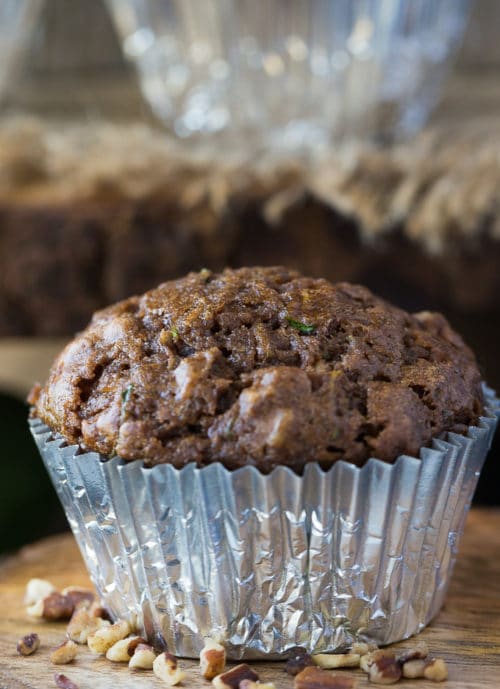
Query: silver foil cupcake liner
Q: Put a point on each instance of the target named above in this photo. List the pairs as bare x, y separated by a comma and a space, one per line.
269, 562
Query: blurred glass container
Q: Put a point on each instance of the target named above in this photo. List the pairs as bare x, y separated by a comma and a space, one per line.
17, 20
287, 73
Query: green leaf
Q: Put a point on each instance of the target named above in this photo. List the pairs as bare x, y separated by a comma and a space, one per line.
334, 435
303, 328
126, 395
229, 434
174, 332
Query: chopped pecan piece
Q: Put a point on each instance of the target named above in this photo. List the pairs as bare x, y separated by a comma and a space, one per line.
316, 678
55, 606
28, 644
413, 669
97, 610
78, 596
64, 653
212, 659
298, 660
123, 650
102, 639
385, 670
64, 682
363, 647
37, 589
83, 623
232, 678
143, 658
417, 652
368, 659
436, 670
332, 661
167, 668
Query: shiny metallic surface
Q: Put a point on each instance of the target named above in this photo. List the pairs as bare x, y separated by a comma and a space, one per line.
266, 563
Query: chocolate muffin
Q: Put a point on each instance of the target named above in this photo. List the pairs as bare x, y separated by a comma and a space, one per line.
262, 367
240, 396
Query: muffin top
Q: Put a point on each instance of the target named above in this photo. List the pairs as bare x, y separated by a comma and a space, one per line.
260, 366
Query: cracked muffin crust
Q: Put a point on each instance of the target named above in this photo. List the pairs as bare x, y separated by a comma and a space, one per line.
260, 366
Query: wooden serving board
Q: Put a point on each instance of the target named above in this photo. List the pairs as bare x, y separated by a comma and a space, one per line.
466, 633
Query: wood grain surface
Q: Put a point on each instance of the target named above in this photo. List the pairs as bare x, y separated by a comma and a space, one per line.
466, 632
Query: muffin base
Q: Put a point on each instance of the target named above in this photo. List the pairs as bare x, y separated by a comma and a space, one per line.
269, 562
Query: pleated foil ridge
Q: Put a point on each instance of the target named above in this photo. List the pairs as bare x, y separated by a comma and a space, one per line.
269, 562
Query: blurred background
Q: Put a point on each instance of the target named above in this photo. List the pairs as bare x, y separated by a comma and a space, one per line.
139, 139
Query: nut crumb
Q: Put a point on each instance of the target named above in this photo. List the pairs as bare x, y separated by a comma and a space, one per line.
212, 659
316, 678
436, 670
167, 668
333, 661
297, 661
28, 644
250, 684
143, 658
102, 639
233, 677
64, 653
123, 650
64, 682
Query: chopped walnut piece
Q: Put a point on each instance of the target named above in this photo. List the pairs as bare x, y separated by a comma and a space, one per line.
316, 678
64, 682
167, 668
28, 644
413, 669
436, 670
298, 660
102, 639
143, 658
37, 590
64, 653
83, 623
123, 650
385, 670
232, 678
332, 661
212, 659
